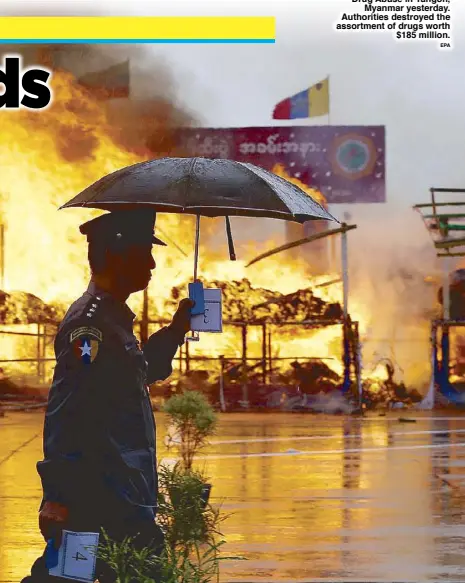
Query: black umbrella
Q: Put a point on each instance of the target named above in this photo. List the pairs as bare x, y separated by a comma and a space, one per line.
202, 186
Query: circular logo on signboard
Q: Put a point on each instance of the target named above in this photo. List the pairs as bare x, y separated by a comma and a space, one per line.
353, 156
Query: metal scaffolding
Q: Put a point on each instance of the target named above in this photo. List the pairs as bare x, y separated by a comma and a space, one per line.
442, 224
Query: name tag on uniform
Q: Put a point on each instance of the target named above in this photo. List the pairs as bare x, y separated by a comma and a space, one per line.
212, 318
77, 556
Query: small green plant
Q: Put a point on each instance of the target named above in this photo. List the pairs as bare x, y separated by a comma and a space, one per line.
190, 524
128, 563
194, 420
201, 567
132, 566
193, 539
183, 514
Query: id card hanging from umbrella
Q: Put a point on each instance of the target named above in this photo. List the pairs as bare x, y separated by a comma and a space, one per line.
207, 310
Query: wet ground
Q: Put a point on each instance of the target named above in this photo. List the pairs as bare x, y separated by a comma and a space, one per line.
312, 498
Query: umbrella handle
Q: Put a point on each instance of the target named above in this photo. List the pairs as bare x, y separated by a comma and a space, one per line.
195, 335
196, 248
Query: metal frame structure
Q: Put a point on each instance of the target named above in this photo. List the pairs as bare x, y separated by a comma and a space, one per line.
342, 231
438, 224
266, 358
45, 334
352, 358
351, 355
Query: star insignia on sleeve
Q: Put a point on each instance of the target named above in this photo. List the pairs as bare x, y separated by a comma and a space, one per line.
86, 341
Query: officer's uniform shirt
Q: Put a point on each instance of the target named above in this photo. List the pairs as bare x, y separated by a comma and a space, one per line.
99, 432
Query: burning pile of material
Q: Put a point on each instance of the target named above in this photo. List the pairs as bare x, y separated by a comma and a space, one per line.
26, 308
243, 302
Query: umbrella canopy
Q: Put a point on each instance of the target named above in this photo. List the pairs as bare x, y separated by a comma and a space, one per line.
202, 186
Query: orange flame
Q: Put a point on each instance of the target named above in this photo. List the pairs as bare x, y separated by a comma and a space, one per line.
279, 170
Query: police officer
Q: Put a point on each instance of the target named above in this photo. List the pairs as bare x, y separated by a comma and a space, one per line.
99, 467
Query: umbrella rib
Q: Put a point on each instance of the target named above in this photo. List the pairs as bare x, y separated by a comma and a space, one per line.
263, 181
109, 180
317, 204
190, 174
232, 211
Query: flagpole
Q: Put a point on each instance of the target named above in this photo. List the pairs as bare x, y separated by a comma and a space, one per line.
329, 101
331, 240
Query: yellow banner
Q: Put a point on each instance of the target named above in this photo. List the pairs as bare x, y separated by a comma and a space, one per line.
137, 29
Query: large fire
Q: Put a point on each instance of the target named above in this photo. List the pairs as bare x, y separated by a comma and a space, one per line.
48, 158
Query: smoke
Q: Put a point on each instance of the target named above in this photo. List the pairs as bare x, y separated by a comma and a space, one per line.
394, 286
144, 124
332, 403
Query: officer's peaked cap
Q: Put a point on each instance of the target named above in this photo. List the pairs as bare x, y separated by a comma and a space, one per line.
132, 226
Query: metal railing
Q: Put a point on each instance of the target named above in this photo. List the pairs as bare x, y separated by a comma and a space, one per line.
184, 360
44, 338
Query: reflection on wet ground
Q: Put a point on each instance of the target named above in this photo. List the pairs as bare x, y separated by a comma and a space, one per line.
312, 497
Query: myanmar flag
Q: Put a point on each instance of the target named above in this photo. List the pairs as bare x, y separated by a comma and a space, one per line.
312, 102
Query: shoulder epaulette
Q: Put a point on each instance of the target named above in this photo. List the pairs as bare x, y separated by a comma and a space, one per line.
92, 306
